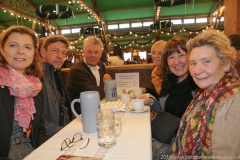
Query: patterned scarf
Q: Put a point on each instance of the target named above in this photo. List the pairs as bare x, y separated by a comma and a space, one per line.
24, 88
196, 127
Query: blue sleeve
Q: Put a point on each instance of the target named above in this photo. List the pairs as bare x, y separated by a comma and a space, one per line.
156, 105
234, 70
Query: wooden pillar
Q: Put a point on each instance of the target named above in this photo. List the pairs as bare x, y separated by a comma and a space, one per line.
232, 17
157, 20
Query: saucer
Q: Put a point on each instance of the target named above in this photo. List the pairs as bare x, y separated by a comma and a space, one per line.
142, 111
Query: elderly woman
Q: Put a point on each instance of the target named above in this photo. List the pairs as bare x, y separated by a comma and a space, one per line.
210, 125
178, 89
157, 52
21, 123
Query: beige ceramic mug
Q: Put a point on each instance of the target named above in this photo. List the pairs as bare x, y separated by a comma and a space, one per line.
90, 105
110, 87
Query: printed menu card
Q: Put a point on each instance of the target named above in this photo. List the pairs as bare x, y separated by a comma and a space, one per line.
127, 80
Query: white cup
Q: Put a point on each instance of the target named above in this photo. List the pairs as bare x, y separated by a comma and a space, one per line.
137, 92
137, 104
90, 105
125, 98
119, 92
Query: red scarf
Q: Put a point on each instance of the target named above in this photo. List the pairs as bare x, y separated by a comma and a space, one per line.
23, 88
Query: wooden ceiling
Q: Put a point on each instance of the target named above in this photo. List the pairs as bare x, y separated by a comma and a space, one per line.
114, 12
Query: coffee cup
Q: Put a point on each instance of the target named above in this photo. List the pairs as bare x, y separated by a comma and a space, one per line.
125, 98
119, 92
137, 92
137, 104
90, 105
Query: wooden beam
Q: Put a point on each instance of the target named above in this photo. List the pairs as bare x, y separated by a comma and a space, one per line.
32, 3
101, 25
4, 7
157, 20
231, 17
217, 6
4, 25
218, 15
218, 18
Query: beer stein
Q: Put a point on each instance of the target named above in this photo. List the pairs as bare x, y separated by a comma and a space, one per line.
108, 128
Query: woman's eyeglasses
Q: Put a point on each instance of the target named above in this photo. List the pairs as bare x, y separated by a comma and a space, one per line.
157, 53
68, 143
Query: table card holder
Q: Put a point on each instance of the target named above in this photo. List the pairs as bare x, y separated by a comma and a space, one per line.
126, 81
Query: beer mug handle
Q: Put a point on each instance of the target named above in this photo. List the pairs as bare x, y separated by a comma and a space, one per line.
118, 132
73, 109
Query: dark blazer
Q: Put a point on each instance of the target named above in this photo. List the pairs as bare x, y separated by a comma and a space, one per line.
51, 100
80, 79
38, 134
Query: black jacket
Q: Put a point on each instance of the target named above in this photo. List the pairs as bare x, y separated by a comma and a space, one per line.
38, 134
51, 100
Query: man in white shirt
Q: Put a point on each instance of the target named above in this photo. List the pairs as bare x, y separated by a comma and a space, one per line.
90, 73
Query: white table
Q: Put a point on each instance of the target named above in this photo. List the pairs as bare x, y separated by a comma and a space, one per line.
134, 143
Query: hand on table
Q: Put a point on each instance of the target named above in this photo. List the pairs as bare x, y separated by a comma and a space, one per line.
143, 90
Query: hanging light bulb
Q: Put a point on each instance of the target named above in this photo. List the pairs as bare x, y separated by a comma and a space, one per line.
90, 16
70, 2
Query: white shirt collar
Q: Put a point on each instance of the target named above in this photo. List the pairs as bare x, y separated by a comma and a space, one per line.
91, 67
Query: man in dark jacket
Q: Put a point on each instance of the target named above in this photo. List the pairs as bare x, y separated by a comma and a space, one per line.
235, 42
90, 73
68, 62
56, 101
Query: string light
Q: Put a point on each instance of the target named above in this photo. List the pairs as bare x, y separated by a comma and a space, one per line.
91, 12
72, 2
34, 20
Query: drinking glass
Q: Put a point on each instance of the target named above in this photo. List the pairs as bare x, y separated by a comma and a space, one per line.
108, 127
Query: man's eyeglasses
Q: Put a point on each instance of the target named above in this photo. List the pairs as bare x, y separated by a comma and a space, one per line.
68, 143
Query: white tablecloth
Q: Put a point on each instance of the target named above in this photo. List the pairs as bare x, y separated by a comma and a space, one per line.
134, 143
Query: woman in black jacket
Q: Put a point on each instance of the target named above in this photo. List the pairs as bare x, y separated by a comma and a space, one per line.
177, 90
21, 113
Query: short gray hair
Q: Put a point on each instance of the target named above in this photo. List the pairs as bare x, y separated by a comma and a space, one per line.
92, 40
218, 41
